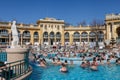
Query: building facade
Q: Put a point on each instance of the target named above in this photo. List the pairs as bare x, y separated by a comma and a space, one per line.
51, 31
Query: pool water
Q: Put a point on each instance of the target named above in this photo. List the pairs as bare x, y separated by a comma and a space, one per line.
105, 72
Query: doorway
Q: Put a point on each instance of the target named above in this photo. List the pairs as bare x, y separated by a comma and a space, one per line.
51, 42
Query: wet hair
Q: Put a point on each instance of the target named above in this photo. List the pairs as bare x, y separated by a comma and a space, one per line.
44, 60
58, 58
65, 61
53, 59
94, 59
63, 64
83, 62
116, 61
108, 60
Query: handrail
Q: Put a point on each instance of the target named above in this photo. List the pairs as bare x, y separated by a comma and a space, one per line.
14, 70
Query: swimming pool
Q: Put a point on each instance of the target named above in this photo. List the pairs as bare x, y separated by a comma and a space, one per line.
105, 72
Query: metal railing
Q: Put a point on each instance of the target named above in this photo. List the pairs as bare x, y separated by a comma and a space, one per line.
14, 70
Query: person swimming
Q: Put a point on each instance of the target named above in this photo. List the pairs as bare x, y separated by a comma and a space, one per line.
83, 65
94, 65
42, 63
63, 69
53, 61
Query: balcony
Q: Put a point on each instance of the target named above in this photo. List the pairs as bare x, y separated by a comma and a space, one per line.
36, 36
58, 37
3, 34
76, 37
51, 37
26, 36
66, 37
45, 36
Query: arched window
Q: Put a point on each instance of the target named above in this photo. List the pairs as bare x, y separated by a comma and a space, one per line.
66, 35
36, 34
84, 34
118, 32
45, 34
26, 34
100, 36
76, 34
92, 34
51, 34
4, 32
58, 34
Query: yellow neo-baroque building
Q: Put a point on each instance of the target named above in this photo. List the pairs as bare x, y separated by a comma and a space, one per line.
51, 31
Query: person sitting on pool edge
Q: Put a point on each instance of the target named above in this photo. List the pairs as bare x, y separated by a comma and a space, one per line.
63, 69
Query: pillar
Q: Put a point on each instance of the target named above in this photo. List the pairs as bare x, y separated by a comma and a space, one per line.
88, 38
9, 38
55, 39
32, 38
71, 39
21, 39
112, 29
62, 39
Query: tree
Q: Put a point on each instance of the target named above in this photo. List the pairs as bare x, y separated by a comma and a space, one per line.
67, 24
82, 23
97, 22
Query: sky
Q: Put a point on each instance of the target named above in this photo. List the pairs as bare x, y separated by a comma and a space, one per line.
71, 11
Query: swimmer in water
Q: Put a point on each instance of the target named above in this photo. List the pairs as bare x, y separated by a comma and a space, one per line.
63, 69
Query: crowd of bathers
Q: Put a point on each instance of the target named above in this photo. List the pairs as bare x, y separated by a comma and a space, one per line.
89, 58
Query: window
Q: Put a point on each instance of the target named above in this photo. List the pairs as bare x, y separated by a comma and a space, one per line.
45, 26
52, 26
41, 25
58, 27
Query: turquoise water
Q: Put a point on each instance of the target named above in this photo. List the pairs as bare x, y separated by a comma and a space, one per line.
3, 56
105, 72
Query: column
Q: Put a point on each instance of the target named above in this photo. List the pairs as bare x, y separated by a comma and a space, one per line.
21, 39
49, 40
108, 33
88, 38
32, 38
55, 39
62, 39
9, 38
39, 39
71, 39
112, 30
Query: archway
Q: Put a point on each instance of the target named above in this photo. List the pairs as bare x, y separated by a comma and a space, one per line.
58, 37
51, 38
118, 32
26, 37
66, 36
45, 38
76, 38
